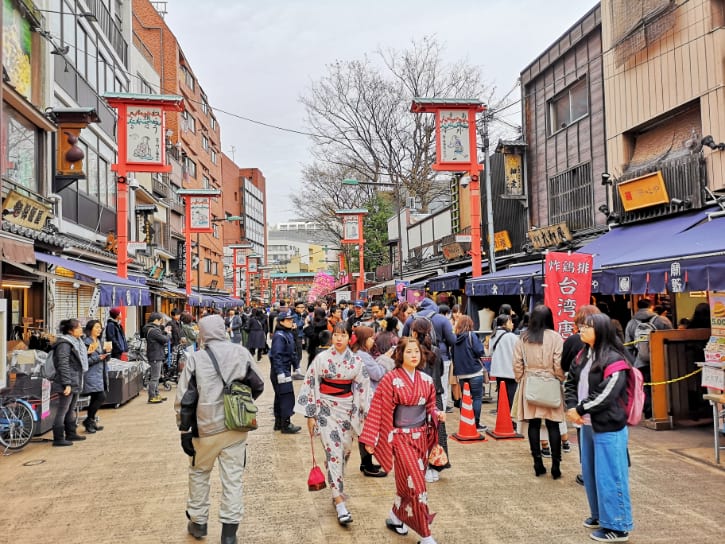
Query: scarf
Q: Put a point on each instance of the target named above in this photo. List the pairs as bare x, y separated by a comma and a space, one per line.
80, 347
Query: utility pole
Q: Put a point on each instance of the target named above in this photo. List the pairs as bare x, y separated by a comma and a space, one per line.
489, 196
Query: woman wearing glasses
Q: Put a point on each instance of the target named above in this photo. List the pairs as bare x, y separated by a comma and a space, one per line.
596, 399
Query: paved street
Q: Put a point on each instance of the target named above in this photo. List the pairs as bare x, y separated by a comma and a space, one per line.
127, 484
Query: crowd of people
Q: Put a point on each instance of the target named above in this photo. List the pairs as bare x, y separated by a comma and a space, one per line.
386, 377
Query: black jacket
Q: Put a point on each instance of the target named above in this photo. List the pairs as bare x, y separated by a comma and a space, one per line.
68, 366
607, 400
156, 340
176, 332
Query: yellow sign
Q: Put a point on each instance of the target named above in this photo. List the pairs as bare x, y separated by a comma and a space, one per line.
643, 192
22, 211
549, 236
513, 178
501, 240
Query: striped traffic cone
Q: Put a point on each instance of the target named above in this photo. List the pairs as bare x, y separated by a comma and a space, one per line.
504, 425
467, 431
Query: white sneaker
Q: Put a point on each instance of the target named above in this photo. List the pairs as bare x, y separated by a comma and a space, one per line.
431, 476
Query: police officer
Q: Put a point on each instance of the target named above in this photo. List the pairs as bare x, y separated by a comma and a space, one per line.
283, 357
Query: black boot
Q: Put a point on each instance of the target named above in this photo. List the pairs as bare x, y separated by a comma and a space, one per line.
197, 530
89, 424
289, 428
556, 459
59, 437
229, 533
72, 435
539, 467
277, 423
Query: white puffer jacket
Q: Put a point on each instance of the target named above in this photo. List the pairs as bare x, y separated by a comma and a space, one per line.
502, 358
235, 363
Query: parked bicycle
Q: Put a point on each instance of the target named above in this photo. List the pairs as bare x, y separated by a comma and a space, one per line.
17, 422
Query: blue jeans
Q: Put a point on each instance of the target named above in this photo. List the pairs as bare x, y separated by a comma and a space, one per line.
606, 477
475, 384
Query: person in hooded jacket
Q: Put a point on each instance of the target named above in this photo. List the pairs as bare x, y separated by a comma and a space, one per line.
467, 365
215, 442
442, 328
71, 361
116, 335
283, 358
95, 380
156, 341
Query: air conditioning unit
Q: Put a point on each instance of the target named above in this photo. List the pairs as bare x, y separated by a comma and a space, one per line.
369, 277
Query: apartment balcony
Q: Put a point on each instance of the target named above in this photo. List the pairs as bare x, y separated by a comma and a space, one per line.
160, 188
110, 28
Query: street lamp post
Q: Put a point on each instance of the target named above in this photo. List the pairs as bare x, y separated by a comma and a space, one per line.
352, 233
398, 205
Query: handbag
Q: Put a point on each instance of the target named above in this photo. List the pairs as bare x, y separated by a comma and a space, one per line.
438, 457
541, 388
315, 480
240, 412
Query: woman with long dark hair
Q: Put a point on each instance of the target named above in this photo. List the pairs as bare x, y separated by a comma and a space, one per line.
596, 399
71, 361
538, 351
467, 365
95, 380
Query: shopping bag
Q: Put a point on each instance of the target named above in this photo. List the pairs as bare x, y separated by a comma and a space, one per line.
316, 479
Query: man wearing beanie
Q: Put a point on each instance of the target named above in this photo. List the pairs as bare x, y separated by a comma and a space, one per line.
156, 340
116, 335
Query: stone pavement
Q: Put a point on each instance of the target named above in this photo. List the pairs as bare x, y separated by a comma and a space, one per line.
127, 484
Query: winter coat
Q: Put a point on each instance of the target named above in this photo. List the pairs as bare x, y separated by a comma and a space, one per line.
257, 338
116, 335
376, 370
156, 340
607, 400
467, 353
544, 357
95, 379
176, 332
235, 363
445, 337
68, 365
189, 333
501, 346
283, 354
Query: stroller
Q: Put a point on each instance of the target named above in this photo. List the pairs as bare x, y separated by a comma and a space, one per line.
170, 369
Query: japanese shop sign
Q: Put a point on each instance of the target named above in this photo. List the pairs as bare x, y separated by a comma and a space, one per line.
24, 211
643, 192
549, 236
144, 134
568, 279
200, 208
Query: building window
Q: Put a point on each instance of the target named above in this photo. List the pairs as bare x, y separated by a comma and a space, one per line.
213, 123
207, 266
188, 123
570, 198
204, 105
188, 78
205, 142
569, 106
190, 167
21, 149
205, 182
213, 156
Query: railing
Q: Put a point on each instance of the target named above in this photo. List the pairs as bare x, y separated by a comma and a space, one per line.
160, 188
110, 28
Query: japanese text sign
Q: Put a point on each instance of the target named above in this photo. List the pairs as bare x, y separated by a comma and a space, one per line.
568, 279
145, 135
200, 214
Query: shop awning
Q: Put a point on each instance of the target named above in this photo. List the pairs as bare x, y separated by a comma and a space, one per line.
114, 290
692, 259
449, 281
380, 288
522, 279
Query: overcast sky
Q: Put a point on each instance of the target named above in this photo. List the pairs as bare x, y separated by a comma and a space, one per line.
255, 59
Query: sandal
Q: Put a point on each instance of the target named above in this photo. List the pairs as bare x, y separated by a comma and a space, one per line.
399, 529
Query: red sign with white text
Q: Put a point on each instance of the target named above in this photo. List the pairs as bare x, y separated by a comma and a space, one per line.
568, 279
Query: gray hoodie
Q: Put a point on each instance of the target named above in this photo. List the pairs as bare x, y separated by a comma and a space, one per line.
235, 363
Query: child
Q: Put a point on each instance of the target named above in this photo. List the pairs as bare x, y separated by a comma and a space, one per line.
325, 342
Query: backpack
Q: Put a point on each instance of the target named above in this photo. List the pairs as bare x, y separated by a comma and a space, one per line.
641, 338
635, 390
47, 370
433, 335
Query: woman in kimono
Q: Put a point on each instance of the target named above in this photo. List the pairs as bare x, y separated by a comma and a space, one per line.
334, 397
402, 424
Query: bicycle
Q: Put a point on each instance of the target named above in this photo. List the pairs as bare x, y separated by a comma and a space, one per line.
17, 422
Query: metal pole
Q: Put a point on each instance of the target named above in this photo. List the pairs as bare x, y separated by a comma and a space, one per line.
489, 198
198, 266
399, 205
187, 247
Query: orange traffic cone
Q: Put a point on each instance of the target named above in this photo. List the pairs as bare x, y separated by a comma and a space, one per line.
504, 425
467, 431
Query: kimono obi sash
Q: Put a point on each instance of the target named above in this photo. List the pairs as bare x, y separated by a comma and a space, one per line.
336, 388
409, 417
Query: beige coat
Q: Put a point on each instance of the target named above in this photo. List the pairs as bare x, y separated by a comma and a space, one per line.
547, 357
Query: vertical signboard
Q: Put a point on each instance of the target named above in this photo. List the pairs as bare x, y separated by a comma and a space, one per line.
568, 279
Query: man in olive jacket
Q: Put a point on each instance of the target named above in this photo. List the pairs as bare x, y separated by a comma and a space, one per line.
215, 441
156, 341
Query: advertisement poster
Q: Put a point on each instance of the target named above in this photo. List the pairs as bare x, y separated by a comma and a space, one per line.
400, 288
568, 279
717, 313
200, 214
45, 399
414, 296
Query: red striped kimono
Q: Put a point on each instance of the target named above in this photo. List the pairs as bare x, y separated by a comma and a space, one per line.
408, 447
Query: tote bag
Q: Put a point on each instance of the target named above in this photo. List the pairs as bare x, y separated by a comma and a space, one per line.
541, 388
